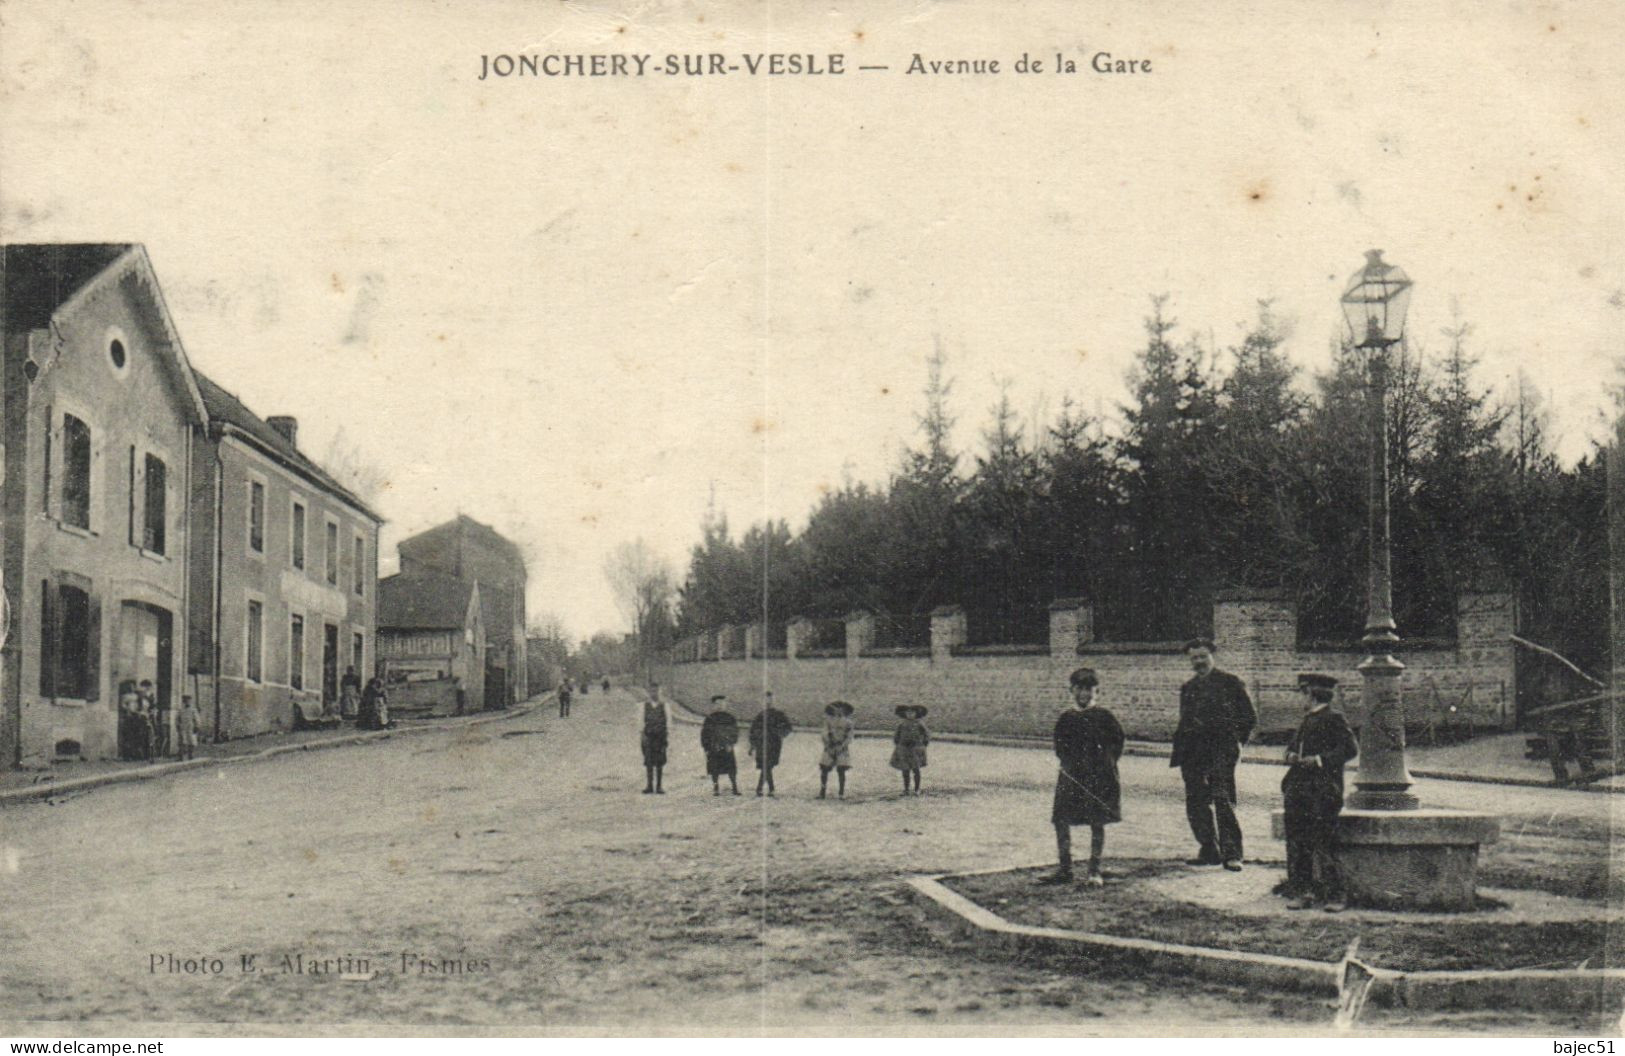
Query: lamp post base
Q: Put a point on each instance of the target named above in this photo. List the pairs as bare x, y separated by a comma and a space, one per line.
1414, 859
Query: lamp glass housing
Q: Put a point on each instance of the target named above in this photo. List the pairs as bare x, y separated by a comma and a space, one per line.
1375, 302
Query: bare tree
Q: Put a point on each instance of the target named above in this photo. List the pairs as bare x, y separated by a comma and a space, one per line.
644, 585
347, 463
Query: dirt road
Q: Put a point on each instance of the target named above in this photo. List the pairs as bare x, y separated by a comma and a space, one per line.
511, 877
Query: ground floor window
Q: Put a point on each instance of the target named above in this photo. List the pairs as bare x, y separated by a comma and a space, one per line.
70, 640
256, 642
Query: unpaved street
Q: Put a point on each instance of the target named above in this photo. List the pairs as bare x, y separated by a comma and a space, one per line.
532, 888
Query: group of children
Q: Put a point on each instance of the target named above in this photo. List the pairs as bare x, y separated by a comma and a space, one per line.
1088, 741
719, 735
144, 731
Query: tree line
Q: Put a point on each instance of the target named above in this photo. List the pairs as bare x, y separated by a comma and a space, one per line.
1230, 469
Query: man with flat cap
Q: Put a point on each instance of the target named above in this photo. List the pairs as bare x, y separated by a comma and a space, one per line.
1313, 794
1215, 719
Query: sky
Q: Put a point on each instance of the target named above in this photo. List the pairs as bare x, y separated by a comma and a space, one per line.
581, 309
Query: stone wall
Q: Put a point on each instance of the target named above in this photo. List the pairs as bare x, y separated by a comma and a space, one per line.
1019, 690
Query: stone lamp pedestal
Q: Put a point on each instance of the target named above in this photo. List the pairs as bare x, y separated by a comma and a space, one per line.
1409, 859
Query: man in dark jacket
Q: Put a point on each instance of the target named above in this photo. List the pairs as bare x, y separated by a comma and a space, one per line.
1313, 793
718, 735
1215, 719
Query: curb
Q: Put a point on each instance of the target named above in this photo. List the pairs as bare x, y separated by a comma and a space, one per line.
50, 790
1154, 751
1529, 988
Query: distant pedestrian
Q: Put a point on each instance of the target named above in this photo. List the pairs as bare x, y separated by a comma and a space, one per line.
655, 726
606, 685
1215, 719
349, 693
767, 733
186, 728
909, 744
1312, 791
130, 722
373, 712
838, 732
564, 699
147, 705
718, 735
1088, 743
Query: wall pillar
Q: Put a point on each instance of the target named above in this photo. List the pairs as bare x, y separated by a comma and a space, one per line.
860, 633
1256, 632
725, 635
753, 640
1071, 624
1485, 623
948, 629
795, 635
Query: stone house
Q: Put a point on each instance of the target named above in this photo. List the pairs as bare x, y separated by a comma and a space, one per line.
284, 574
102, 414
467, 550
431, 644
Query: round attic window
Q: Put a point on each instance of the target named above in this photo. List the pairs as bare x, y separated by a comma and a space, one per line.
118, 350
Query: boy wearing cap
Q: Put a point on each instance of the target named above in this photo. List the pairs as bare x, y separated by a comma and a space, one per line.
718, 735
1088, 742
1313, 794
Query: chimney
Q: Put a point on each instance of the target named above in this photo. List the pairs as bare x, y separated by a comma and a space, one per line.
287, 425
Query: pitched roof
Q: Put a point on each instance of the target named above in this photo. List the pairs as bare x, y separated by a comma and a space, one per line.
227, 409
39, 279
465, 526
422, 602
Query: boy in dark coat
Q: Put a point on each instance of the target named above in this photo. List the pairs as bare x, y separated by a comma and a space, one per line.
1088, 742
1313, 791
1215, 719
767, 733
718, 735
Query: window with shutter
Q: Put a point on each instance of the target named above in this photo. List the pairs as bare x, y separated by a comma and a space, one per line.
154, 509
76, 472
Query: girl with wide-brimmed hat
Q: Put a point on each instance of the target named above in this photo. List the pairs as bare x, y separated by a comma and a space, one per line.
838, 732
909, 743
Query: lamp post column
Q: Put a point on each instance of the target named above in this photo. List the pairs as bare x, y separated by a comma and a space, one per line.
1383, 782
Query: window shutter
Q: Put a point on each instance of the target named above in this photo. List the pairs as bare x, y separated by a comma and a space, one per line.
98, 480
48, 639
53, 471
93, 647
134, 539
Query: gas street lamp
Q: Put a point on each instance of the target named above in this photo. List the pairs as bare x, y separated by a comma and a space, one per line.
1374, 304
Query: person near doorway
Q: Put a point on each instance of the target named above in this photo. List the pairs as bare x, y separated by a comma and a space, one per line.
349, 693
186, 728
373, 713
158, 710
1215, 719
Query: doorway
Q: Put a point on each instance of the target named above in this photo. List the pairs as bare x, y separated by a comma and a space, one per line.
330, 668
144, 648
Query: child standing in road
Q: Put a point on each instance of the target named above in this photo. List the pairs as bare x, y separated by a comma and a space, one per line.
838, 730
910, 740
1088, 743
